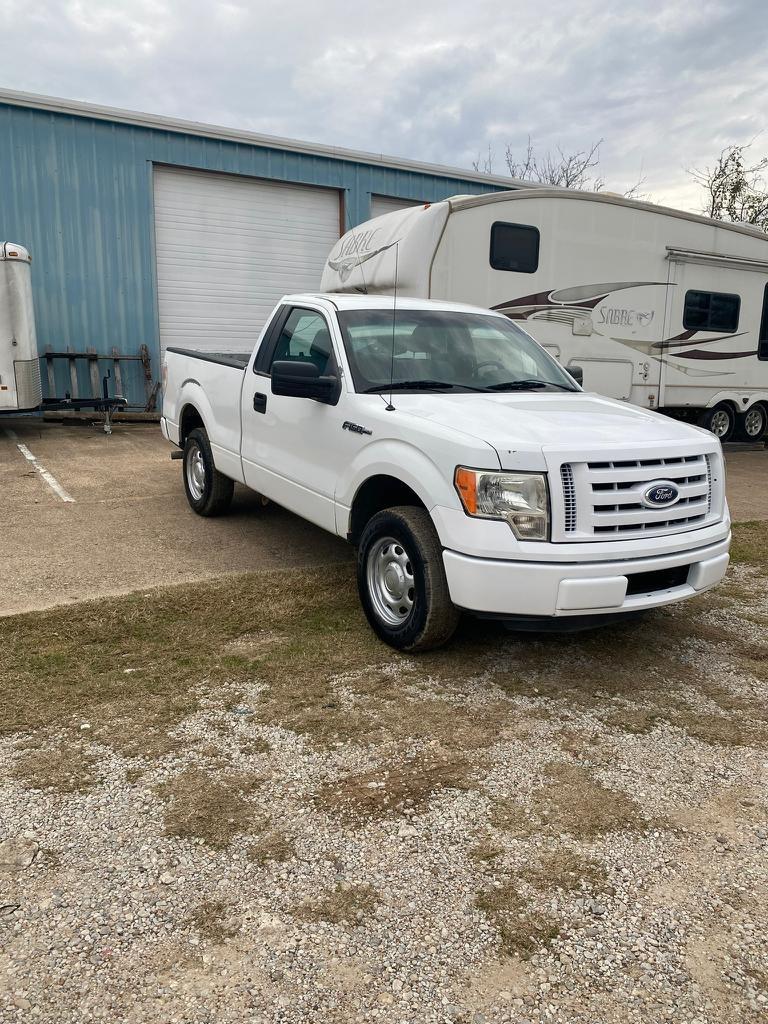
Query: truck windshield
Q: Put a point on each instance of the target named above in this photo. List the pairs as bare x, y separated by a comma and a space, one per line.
462, 351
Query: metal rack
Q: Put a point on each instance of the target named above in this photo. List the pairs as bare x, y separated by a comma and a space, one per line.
73, 396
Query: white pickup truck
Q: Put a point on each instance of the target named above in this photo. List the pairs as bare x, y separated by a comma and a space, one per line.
470, 471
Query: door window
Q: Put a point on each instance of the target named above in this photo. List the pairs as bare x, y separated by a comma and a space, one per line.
305, 337
762, 342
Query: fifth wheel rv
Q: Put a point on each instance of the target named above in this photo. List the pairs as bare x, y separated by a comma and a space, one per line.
661, 308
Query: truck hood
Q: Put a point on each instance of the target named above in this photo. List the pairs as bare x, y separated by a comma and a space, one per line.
533, 422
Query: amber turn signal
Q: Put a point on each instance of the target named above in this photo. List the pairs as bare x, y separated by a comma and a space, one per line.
466, 484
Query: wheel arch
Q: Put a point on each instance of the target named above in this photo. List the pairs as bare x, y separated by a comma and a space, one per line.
195, 410
377, 492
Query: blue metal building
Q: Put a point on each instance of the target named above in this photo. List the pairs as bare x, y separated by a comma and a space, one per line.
115, 206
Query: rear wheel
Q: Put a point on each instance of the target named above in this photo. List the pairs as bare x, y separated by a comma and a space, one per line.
209, 492
401, 580
721, 420
753, 424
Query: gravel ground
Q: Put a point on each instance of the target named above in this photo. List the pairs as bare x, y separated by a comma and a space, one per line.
593, 847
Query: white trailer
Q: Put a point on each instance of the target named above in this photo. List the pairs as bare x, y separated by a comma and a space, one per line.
20, 387
661, 308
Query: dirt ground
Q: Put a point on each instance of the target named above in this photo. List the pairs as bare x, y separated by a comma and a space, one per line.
273, 818
129, 525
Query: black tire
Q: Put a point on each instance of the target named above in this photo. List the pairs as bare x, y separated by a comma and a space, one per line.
427, 617
753, 424
209, 492
720, 420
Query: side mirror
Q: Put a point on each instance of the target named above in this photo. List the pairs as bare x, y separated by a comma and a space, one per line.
300, 379
577, 372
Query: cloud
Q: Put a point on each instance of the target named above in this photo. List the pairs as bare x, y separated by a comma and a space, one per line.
666, 86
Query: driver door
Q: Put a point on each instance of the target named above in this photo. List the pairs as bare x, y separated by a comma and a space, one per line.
290, 446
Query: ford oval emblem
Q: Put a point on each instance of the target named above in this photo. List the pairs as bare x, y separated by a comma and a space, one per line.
660, 494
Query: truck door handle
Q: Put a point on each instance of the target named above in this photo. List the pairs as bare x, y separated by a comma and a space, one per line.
259, 402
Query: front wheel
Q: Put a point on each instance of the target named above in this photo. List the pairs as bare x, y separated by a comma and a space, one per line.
209, 492
721, 420
753, 424
401, 580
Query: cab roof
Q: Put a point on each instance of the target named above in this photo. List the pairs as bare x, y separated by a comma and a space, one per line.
355, 300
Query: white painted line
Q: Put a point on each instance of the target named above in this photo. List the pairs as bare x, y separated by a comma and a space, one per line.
49, 478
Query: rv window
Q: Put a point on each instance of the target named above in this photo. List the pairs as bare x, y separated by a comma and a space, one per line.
762, 343
515, 247
711, 311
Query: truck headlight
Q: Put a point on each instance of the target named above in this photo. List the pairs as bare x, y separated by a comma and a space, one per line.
520, 498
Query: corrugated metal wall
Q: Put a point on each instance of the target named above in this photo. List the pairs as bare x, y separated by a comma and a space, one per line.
77, 192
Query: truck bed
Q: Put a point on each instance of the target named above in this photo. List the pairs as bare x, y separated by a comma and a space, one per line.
239, 360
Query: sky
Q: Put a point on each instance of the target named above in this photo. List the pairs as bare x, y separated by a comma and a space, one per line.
665, 84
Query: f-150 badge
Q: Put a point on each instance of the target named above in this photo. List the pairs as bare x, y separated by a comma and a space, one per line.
355, 428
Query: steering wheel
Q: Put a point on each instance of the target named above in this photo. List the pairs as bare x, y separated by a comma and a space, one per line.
488, 363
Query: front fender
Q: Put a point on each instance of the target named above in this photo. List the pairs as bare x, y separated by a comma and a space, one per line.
432, 483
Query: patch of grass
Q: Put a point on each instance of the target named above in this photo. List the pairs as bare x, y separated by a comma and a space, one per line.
572, 800
213, 920
394, 786
274, 846
724, 731
346, 904
132, 665
507, 815
214, 810
750, 543
566, 870
522, 929
486, 851
585, 744
255, 745
636, 720
65, 767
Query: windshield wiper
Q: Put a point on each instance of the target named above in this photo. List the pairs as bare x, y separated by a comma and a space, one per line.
417, 385
527, 384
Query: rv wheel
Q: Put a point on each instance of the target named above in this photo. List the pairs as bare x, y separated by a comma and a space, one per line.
753, 424
721, 420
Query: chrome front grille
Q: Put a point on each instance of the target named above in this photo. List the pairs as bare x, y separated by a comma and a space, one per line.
569, 497
604, 500
709, 482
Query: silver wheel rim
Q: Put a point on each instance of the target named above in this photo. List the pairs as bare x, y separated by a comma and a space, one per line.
754, 422
389, 575
195, 472
721, 423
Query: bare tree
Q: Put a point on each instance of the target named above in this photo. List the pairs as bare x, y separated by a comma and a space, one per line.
736, 187
566, 170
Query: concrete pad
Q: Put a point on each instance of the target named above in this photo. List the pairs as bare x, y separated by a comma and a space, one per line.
130, 525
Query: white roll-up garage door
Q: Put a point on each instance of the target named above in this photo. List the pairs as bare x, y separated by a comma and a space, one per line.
228, 248
386, 204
